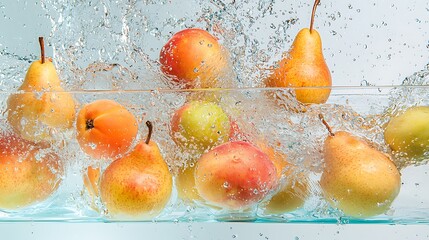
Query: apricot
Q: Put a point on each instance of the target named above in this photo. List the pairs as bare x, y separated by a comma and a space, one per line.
193, 58
29, 173
105, 129
234, 175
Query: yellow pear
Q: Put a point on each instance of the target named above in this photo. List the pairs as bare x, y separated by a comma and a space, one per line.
357, 178
304, 67
41, 108
408, 133
139, 185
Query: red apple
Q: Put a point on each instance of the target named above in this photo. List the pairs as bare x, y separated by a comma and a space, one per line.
235, 175
193, 58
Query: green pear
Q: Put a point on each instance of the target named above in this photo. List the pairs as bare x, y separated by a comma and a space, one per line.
408, 133
41, 108
357, 178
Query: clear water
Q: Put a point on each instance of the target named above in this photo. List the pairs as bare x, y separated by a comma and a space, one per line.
109, 50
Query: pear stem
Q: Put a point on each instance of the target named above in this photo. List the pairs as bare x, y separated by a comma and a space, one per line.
42, 49
312, 14
326, 125
150, 127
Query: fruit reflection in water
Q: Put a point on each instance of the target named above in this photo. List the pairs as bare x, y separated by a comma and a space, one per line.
29, 173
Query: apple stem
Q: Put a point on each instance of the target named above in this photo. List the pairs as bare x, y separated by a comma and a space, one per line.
150, 127
313, 13
326, 124
42, 49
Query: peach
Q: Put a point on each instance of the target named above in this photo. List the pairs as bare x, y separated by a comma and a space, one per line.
292, 192
235, 175
29, 173
193, 58
105, 129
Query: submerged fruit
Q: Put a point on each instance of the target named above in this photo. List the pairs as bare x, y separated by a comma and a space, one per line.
408, 133
29, 173
357, 178
105, 129
199, 126
139, 185
234, 175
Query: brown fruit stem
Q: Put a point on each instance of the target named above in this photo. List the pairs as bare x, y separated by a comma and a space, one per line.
313, 13
150, 127
326, 124
42, 49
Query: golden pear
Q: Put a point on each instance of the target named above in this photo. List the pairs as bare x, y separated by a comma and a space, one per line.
139, 185
304, 67
357, 178
41, 108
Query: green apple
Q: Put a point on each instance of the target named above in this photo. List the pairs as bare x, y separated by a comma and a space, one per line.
408, 133
199, 126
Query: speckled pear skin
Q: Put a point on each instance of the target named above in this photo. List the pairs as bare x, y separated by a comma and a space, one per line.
137, 186
358, 179
304, 66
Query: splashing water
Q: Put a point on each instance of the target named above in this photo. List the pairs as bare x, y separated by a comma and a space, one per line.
110, 50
